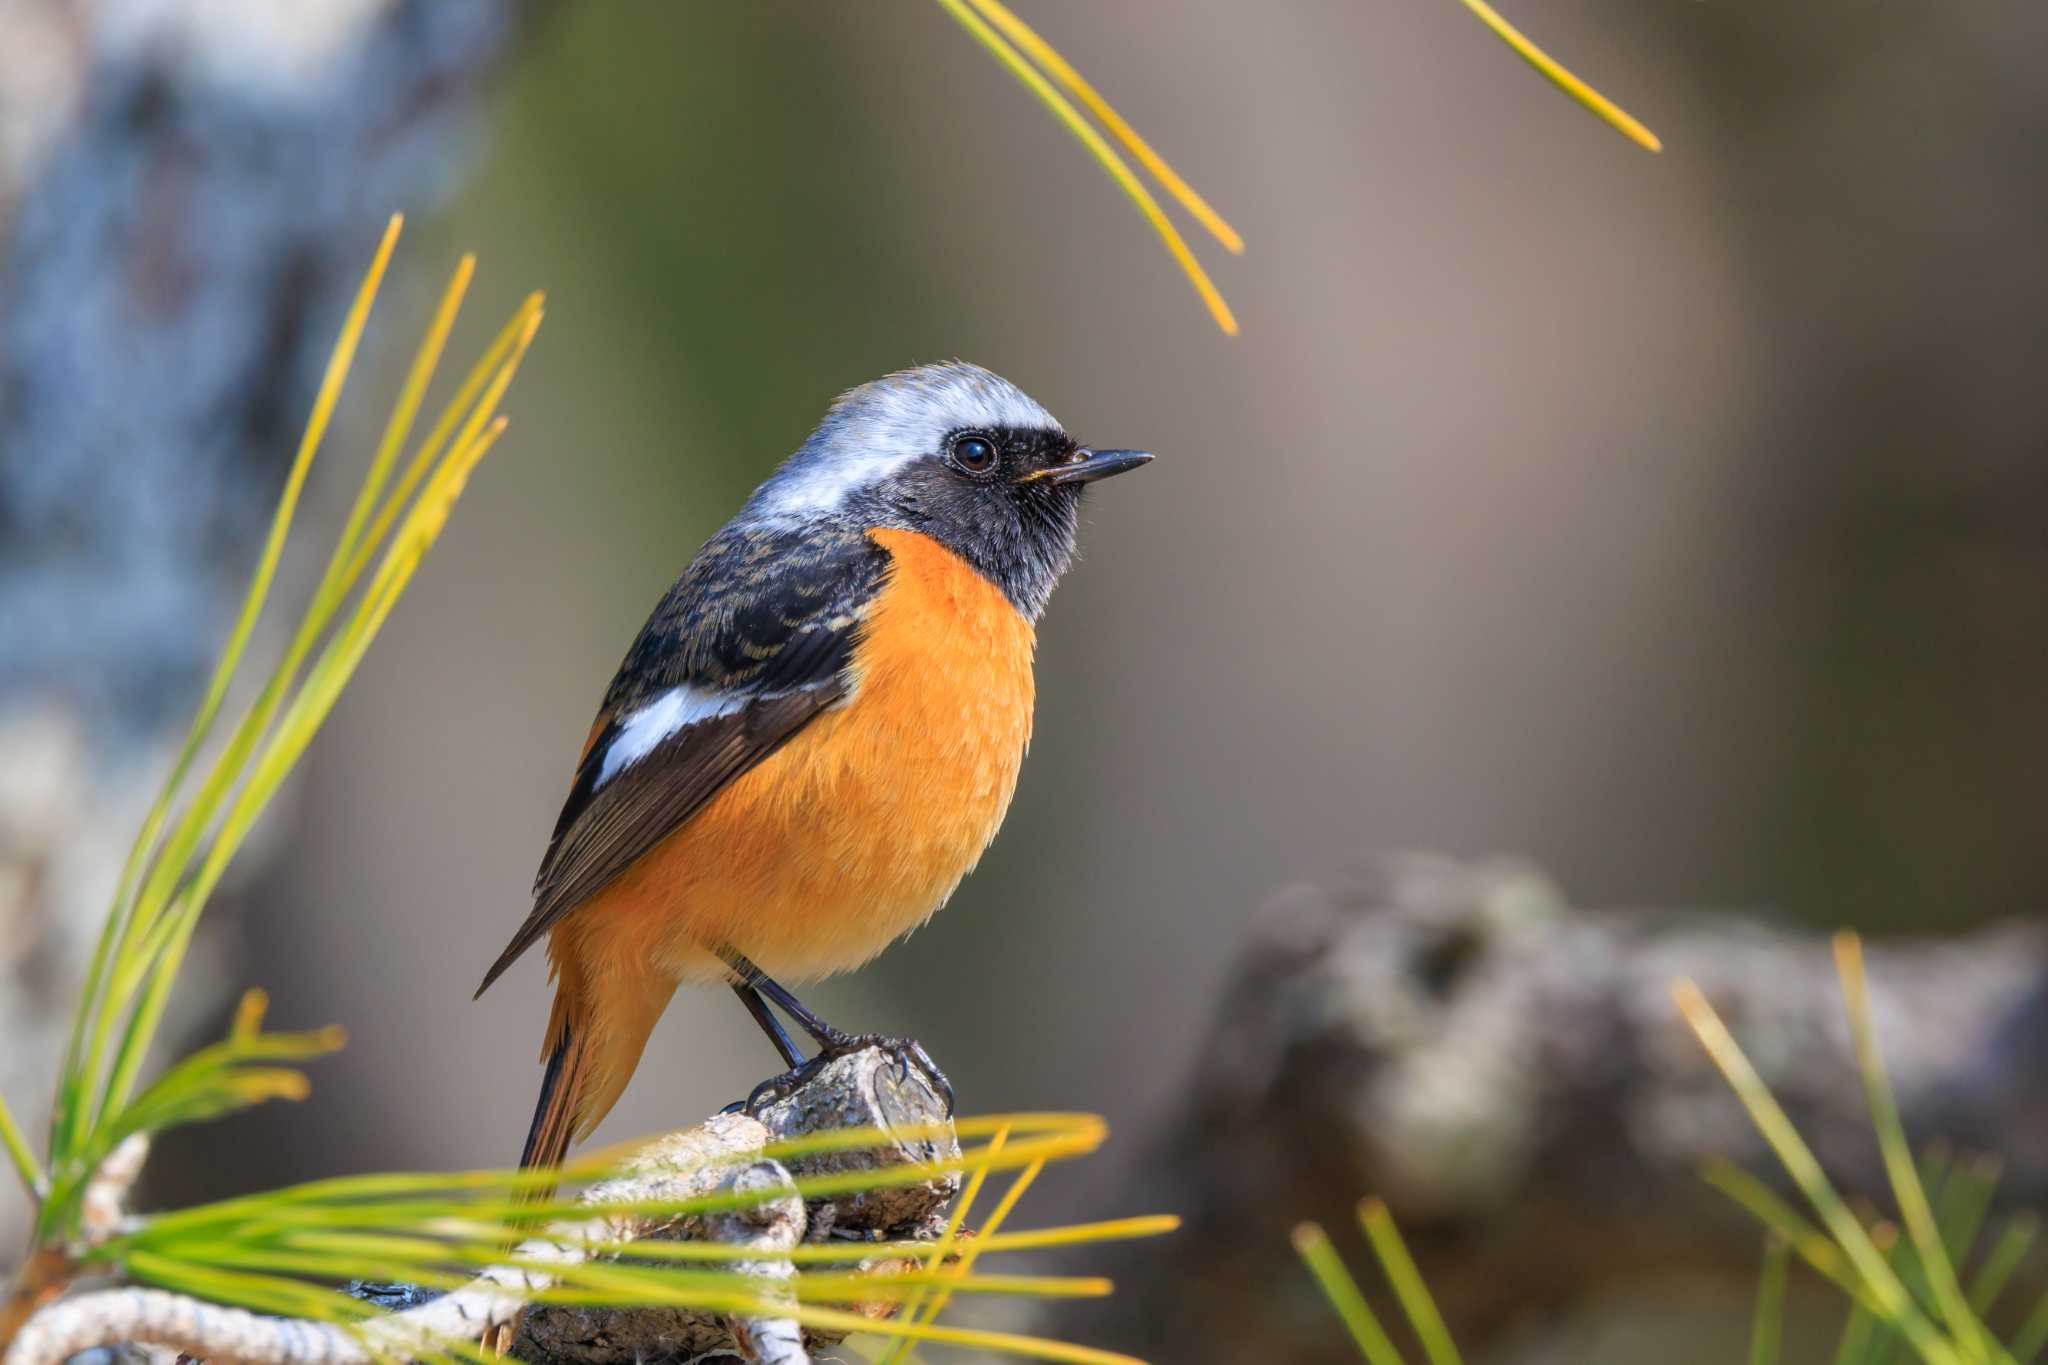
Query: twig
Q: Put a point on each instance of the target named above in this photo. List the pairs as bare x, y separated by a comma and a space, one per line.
103, 1205
772, 1228
51, 1269
862, 1089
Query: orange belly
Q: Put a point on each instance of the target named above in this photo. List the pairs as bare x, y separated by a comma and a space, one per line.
857, 830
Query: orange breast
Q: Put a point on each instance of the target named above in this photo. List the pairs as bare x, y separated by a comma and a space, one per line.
854, 832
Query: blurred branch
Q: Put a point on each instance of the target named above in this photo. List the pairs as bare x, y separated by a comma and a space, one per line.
179, 226
169, 281
720, 1154
1510, 1074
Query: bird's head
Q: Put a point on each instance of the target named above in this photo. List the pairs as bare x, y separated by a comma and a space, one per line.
957, 453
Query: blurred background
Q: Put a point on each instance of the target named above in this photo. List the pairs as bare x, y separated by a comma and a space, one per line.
1673, 521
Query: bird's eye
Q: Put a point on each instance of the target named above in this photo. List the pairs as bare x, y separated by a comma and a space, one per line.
975, 454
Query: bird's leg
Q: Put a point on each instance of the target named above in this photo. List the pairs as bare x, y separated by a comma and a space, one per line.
770, 1025
754, 983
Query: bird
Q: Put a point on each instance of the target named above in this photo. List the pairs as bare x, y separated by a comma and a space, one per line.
815, 735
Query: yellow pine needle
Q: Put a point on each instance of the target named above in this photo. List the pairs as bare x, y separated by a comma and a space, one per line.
310, 707
1602, 107
1764, 1205
986, 1244
1085, 1130
122, 923
1104, 154
1081, 1234
741, 1295
1047, 56
163, 930
20, 1153
339, 362
1898, 1155
1005, 1343
263, 1293
327, 1230
431, 448
1312, 1244
416, 534
304, 717
957, 1276
1890, 1298
1407, 1281
856, 1288
378, 1261
397, 1247
256, 1084
392, 1256
944, 1246
1012, 1157
484, 1226
410, 395
249, 1012
392, 1195
323, 1266
2005, 1257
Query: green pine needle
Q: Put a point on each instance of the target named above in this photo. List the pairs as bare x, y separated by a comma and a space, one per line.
1402, 1274
1323, 1262
1767, 1326
1888, 1296
2004, 1258
1934, 1264
19, 1153
2032, 1335
1905, 1292
183, 850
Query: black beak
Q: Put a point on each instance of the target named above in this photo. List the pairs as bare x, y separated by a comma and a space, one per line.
1086, 466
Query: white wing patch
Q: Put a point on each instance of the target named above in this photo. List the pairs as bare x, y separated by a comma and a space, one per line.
668, 713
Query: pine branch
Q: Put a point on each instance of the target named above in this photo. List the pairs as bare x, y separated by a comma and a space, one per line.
860, 1090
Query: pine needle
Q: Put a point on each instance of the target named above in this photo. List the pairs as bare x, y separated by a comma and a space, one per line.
1888, 1295
19, 1153
1313, 1245
1602, 108
1061, 70
1898, 1155
1105, 155
1402, 1274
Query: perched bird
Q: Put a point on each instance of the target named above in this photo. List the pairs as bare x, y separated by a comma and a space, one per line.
816, 733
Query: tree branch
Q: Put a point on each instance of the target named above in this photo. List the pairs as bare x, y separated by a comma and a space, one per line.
1510, 1074
863, 1089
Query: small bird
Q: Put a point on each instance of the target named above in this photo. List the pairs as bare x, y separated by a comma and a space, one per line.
816, 733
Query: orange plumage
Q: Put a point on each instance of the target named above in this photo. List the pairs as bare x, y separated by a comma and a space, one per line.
843, 840
815, 734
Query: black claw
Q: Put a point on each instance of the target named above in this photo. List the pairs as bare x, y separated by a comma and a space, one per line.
908, 1052
904, 1051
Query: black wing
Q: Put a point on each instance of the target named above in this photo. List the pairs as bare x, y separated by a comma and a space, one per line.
763, 622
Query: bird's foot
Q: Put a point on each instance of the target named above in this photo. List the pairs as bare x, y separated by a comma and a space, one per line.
906, 1052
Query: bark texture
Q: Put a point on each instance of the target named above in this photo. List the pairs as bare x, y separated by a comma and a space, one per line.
187, 192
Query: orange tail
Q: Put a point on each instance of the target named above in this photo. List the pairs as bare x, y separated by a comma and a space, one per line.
553, 1129
594, 1039
554, 1114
